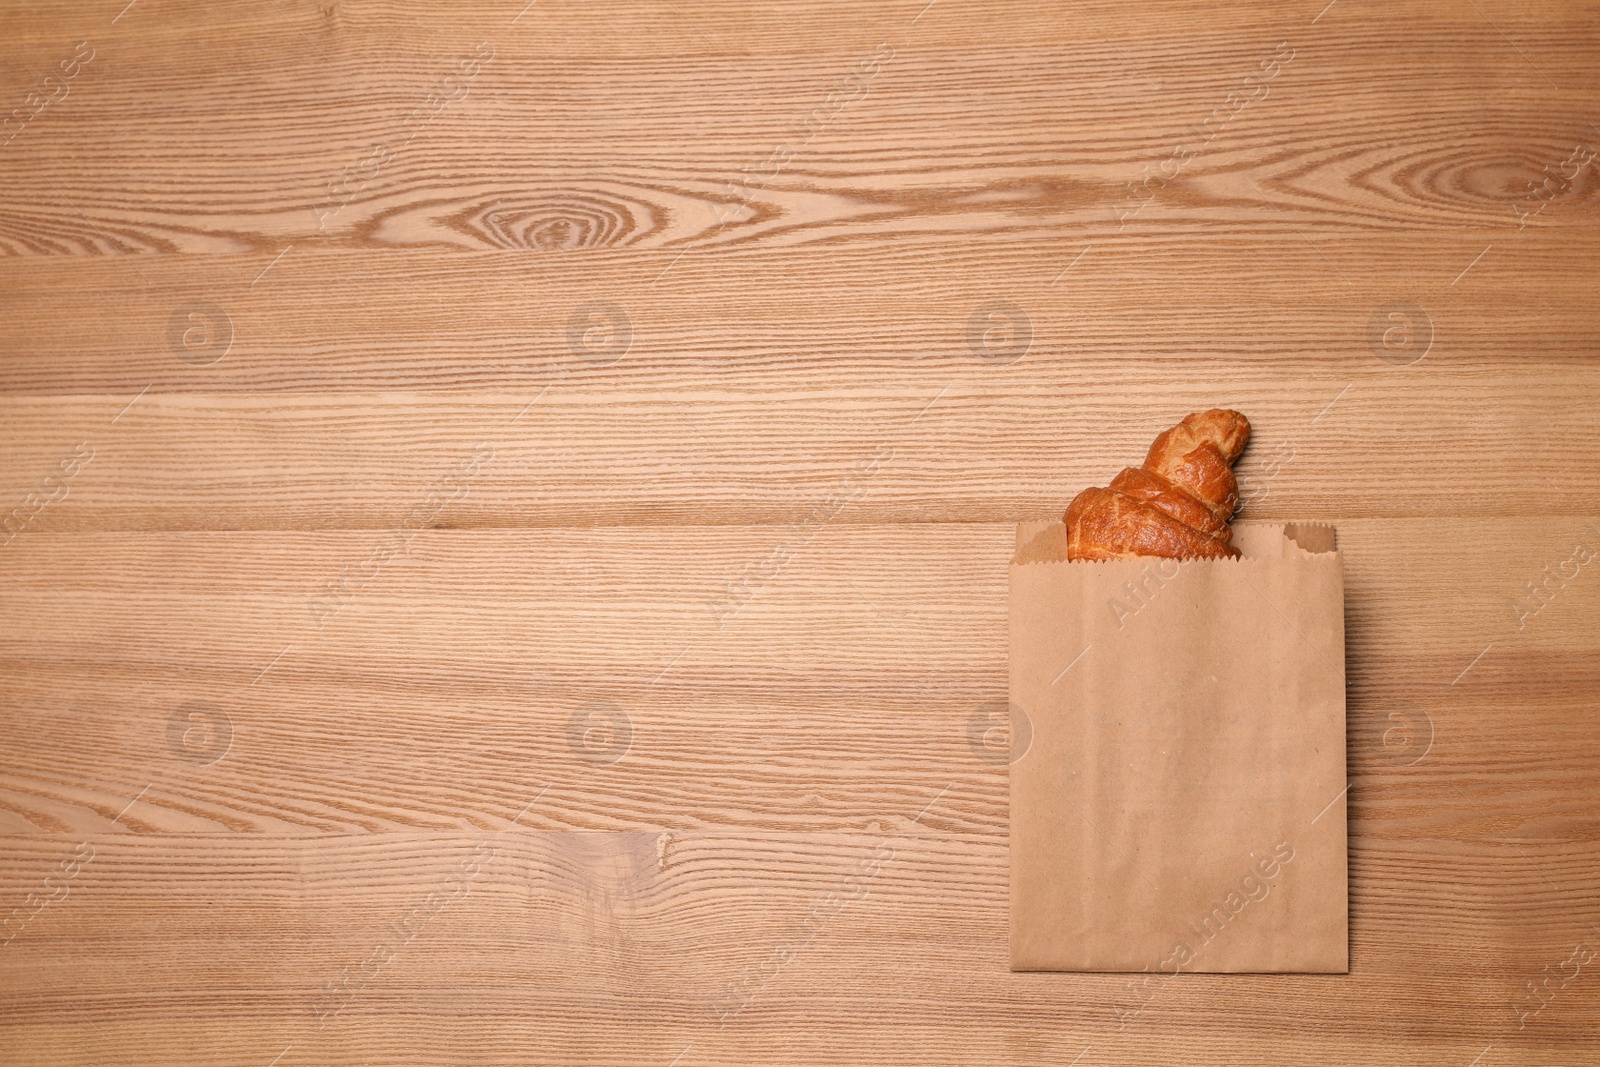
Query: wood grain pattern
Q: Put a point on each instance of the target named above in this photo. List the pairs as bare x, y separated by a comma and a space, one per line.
633, 947
588, 454
438, 690
504, 512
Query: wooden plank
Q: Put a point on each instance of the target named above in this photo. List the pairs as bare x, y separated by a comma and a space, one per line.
1437, 443
627, 948
1265, 304
958, 125
749, 677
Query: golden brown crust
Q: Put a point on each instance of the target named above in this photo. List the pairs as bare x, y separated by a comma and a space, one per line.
1103, 524
1197, 455
1140, 484
1176, 506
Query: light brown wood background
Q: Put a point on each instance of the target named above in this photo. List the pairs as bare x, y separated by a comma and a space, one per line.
387, 833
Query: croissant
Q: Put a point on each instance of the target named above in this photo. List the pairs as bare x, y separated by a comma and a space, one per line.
1176, 506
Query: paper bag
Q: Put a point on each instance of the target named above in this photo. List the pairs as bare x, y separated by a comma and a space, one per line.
1178, 784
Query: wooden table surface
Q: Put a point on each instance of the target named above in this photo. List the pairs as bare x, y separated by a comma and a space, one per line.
508, 510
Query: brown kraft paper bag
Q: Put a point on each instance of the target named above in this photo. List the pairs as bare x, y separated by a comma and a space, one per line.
1178, 784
